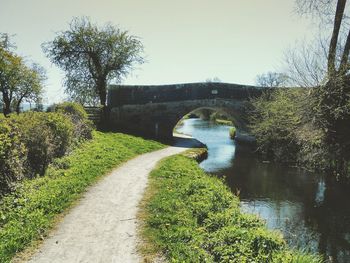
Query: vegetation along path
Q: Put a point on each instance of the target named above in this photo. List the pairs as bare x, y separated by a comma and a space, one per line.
102, 227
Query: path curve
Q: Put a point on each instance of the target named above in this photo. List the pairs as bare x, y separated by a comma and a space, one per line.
102, 227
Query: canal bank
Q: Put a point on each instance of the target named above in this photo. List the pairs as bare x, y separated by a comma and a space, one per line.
191, 216
312, 213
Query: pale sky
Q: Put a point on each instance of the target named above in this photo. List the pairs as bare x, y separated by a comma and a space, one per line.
184, 40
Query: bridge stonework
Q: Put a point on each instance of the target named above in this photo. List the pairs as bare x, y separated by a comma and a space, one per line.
154, 111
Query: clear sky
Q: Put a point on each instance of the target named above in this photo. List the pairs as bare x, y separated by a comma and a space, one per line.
184, 40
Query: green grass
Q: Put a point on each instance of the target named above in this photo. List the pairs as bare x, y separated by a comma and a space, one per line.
223, 122
30, 211
190, 216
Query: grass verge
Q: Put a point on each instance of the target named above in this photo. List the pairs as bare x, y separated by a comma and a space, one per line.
223, 122
29, 212
190, 216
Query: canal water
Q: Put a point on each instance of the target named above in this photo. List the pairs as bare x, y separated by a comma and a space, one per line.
312, 213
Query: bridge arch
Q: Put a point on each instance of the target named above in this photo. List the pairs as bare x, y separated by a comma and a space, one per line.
155, 110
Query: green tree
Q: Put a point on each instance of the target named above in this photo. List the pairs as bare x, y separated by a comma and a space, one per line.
92, 57
18, 82
10, 77
30, 87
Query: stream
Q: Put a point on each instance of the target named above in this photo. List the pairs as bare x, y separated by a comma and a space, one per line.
312, 213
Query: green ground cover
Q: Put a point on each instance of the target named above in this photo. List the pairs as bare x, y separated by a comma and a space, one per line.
30, 210
190, 216
223, 122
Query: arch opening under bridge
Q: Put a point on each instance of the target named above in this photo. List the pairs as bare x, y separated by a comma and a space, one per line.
154, 111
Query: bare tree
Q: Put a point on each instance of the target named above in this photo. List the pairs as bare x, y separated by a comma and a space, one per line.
271, 79
305, 65
329, 102
335, 13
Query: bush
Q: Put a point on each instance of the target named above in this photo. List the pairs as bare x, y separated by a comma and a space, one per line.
46, 136
12, 154
232, 132
30, 141
281, 122
82, 125
274, 120
70, 108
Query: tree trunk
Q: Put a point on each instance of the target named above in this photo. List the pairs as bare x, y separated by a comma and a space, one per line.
334, 40
6, 105
345, 57
102, 91
103, 97
18, 105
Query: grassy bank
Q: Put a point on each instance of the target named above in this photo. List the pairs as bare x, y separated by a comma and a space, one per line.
190, 216
28, 213
223, 122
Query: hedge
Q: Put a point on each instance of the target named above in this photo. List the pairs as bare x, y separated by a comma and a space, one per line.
30, 141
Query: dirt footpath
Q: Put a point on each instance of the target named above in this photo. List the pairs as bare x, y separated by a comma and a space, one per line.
102, 227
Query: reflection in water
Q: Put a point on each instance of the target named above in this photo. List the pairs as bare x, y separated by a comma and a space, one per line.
321, 188
220, 147
311, 212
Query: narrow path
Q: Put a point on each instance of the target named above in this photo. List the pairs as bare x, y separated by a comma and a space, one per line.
102, 227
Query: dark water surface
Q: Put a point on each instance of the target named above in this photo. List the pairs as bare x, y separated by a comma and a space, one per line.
312, 214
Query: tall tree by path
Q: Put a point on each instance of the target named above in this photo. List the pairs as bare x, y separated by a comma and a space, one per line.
93, 57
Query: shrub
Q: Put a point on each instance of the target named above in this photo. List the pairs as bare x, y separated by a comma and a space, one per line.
232, 132
70, 108
12, 154
30, 141
275, 118
82, 125
46, 136
282, 122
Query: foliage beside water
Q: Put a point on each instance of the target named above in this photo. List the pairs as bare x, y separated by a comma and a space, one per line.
27, 213
232, 132
281, 122
223, 122
193, 217
306, 126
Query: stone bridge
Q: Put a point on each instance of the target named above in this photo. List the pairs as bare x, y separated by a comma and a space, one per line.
154, 111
